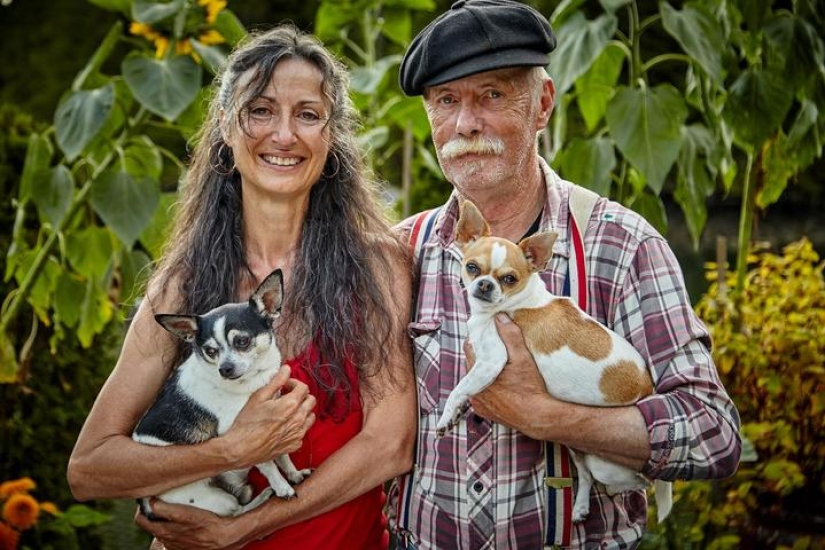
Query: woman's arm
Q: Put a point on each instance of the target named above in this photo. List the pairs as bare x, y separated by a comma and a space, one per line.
107, 463
381, 451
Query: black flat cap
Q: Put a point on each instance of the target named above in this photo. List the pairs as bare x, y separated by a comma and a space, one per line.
476, 36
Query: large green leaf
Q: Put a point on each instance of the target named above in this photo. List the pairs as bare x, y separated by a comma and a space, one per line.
580, 43
164, 86
589, 162
595, 88
149, 12
794, 48
366, 80
694, 182
397, 25
125, 203
141, 157
213, 57
646, 126
230, 27
133, 274
699, 34
80, 117
154, 236
38, 157
89, 251
757, 104
66, 304
52, 193
95, 312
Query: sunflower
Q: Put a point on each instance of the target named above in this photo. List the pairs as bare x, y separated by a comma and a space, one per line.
21, 511
22, 485
8, 537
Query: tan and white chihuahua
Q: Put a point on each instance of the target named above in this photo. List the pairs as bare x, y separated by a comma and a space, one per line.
580, 359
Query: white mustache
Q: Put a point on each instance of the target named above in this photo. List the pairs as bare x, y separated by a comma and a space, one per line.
464, 146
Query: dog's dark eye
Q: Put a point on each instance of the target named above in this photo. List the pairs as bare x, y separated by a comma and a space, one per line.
509, 280
210, 352
472, 268
242, 342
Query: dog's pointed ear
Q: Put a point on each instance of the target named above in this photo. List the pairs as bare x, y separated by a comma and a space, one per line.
538, 249
471, 225
269, 296
184, 327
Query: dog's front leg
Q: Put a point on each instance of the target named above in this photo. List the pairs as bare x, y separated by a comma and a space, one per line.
276, 480
293, 474
491, 356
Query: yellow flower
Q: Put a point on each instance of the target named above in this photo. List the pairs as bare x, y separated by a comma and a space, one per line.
211, 37
161, 45
50, 508
213, 8
22, 485
183, 47
144, 30
21, 511
8, 537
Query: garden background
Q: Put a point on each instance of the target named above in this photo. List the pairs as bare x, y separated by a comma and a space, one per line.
706, 116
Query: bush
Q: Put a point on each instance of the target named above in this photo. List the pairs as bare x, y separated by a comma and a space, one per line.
769, 347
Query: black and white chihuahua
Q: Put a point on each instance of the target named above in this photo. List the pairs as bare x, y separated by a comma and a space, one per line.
234, 353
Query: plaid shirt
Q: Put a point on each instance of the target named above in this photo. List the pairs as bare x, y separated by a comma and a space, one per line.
482, 485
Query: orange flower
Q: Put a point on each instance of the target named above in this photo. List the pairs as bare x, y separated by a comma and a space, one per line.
22, 485
21, 511
50, 508
8, 537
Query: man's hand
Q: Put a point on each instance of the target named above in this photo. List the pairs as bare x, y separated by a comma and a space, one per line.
509, 399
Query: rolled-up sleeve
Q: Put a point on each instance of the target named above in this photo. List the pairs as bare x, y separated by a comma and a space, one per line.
692, 422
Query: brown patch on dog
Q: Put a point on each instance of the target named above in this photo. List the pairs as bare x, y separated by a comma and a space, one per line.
623, 382
471, 225
560, 324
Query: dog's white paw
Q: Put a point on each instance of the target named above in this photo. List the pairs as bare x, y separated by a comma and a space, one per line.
285, 492
298, 476
580, 513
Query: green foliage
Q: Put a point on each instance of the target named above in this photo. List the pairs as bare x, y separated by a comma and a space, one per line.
771, 357
747, 100
371, 35
87, 207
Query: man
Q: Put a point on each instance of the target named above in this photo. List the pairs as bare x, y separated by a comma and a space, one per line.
487, 483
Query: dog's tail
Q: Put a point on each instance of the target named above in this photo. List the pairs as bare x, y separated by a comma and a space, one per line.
664, 499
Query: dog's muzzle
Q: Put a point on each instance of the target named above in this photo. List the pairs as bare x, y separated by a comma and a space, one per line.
484, 289
229, 371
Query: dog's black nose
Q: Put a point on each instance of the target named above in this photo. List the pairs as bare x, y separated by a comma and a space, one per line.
485, 287
227, 370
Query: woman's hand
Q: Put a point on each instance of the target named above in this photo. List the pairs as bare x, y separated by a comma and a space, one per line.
273, 422
190, 528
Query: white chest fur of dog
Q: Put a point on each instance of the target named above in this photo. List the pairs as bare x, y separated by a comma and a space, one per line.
580, 360
234, 354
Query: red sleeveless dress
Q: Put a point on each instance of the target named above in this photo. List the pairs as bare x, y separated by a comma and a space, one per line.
358, 524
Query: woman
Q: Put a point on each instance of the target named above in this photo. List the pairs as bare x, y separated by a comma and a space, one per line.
276, 181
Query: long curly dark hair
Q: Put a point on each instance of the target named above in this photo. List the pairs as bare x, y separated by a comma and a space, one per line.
347, 245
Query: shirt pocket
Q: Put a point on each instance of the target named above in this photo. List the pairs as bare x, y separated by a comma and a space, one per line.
426, 355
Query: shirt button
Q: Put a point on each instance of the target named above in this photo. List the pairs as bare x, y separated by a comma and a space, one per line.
478, 486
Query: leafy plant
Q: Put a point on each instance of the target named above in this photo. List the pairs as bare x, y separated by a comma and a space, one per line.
771, 356
94, 193
371, 36
728, 88
25, 520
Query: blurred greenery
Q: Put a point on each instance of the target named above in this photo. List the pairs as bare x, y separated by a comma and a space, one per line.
78, 108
